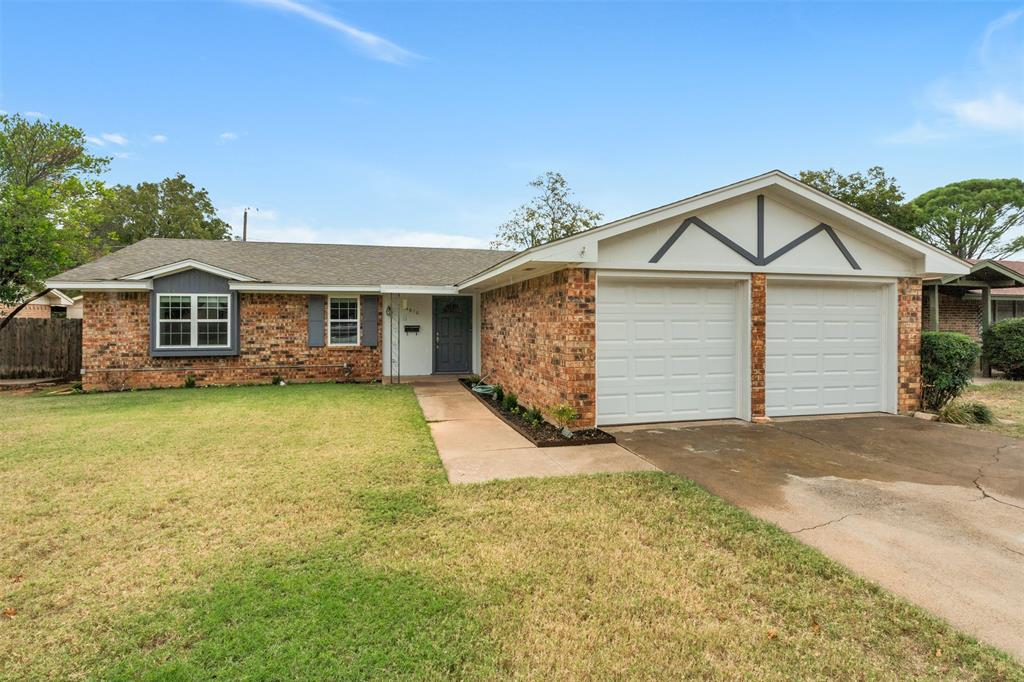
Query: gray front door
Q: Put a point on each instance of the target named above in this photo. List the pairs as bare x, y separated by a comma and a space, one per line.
453, 333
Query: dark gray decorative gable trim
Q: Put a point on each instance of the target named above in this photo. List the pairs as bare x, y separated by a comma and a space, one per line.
759, 259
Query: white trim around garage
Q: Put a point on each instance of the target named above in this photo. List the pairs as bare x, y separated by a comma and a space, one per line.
742, 407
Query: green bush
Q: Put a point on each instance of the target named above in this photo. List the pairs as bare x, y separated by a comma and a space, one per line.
564, 414
966, 412
499, 394
1004, 347
509, 401
947, 363
190, 381
533, 416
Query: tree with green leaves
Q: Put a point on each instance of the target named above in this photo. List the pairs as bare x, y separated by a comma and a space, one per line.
974, 218
48, 193
551, 215
873, 192
173, 207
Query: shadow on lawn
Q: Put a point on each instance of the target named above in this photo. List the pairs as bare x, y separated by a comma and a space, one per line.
315, 617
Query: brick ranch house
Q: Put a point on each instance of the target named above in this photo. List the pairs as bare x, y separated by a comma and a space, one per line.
759, 299
992, 291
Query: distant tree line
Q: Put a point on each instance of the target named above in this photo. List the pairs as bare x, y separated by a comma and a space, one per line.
970, 219
56, 212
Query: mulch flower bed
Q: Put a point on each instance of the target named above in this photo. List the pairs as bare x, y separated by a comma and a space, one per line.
545, 435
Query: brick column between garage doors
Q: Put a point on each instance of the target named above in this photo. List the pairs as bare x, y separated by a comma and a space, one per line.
908, 355
758, 294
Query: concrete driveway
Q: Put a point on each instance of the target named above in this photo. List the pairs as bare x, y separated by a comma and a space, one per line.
933, 512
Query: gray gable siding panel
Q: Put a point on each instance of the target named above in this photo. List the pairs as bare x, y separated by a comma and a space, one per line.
193, 282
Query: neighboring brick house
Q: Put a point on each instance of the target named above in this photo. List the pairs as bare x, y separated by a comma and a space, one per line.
760, 299
957, 303
54, 303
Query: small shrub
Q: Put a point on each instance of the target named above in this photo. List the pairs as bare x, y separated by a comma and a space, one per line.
276, 380
947, 364
1004, 347
190, 381
533, 416
499, 394
473, 379
966, 412
564, 415
509, 401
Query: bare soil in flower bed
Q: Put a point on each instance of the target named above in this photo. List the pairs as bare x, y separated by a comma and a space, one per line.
543, 436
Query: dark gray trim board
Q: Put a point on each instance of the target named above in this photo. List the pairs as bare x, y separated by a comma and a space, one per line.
758, 259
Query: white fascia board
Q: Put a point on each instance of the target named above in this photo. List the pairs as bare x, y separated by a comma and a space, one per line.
269, 287
188, 264
64, 298
105, 285
936, 261
418, 289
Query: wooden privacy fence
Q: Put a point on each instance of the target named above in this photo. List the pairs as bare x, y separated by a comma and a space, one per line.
41, 348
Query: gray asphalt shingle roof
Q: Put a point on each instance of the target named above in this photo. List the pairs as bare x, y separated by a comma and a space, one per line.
284, 263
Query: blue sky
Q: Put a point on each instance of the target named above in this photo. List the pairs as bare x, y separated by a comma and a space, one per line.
421, 123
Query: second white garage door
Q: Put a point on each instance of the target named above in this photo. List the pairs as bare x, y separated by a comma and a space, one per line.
666, 351
825, 349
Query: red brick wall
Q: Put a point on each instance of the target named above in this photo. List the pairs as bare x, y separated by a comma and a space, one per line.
909, 347
537, 339
274, 340
36, 310
956, 314
758, 294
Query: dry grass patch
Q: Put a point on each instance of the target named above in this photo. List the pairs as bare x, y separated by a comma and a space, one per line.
271, 532
1006, 400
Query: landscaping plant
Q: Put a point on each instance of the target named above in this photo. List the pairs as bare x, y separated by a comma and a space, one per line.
533, 416
947, 363
1004, 347
966, 412
564, 415
190, 381
509, 401
499, 394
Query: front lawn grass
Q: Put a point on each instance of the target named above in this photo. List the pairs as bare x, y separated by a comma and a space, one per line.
309, 532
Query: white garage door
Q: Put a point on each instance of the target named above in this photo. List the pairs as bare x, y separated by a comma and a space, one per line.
825, 349
666, 351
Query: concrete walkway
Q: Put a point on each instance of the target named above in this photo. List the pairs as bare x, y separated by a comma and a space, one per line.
476, 446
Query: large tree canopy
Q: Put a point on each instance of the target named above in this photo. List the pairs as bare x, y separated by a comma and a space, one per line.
172, 207
973, 218
873, 192
550, 215
48, 192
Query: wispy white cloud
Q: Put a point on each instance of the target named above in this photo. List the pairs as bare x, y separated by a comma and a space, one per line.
998, 111
34, 114
370, 44
987, 96
95, 141
115, 138
159, 138
227, 136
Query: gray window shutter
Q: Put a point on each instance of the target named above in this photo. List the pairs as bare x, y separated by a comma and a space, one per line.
316, 320
369, 314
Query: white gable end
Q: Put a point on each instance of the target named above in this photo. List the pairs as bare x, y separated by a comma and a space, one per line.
724, 237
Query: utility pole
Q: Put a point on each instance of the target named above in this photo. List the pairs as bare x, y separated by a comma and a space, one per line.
245, 224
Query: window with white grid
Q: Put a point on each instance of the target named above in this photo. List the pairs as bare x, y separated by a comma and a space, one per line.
193, 321
343, 322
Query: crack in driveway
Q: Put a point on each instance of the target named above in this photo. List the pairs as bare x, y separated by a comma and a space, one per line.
826, 523
981, 474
